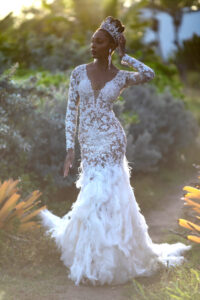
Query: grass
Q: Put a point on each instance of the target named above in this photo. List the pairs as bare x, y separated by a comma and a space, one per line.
180, 282
27, 271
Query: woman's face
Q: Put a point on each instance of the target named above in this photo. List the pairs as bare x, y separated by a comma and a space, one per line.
100, 44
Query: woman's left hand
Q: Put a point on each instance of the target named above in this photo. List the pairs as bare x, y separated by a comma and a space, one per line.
121, 45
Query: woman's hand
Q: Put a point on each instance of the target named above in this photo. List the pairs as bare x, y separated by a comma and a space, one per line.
68, 161
121, 45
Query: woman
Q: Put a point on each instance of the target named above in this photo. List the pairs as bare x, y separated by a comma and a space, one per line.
104, 237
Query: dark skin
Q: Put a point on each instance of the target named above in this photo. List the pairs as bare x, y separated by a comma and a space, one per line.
98, 72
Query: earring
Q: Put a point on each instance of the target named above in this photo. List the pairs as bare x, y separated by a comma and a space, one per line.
109, 58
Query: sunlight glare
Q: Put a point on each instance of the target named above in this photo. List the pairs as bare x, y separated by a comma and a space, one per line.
128, 3
16, 6
194, 7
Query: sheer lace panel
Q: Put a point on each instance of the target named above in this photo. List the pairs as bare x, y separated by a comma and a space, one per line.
143, 75
101, 136
72, 110
97, 91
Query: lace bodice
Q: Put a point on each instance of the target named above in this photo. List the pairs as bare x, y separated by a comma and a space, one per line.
101, 136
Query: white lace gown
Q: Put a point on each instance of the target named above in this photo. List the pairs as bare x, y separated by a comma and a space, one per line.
104, 238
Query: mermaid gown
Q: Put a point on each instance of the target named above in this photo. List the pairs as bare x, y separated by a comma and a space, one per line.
104, 238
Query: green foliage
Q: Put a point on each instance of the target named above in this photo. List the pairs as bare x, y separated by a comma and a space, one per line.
129, 117
58, 38
192, 102
160, 127
181, 283
188, 54
43, 77
193, 79
167, 78
47, 40
28, 115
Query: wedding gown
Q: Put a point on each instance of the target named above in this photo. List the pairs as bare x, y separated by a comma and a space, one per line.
104, 238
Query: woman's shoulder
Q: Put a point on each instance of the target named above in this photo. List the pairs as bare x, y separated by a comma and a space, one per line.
78, 68
77, 71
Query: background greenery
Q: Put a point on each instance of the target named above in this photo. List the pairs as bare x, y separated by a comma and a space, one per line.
38, 51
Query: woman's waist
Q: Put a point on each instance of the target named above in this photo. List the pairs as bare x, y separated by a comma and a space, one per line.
100, 132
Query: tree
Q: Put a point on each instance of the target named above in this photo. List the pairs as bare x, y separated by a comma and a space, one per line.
175, 9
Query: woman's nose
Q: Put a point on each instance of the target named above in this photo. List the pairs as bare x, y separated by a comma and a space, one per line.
92, 45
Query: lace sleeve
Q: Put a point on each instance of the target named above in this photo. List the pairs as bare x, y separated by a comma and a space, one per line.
143, 74
72, 112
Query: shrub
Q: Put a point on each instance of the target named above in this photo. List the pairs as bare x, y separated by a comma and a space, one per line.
163, 127
32, 138
184, 57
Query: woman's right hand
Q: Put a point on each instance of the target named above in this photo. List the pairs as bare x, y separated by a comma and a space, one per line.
121, 45
68, 161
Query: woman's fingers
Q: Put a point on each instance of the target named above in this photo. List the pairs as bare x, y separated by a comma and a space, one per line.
67, 166
68, 162
122, 40
66, 171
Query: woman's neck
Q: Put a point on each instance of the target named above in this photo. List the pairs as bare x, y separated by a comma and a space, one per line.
101, 63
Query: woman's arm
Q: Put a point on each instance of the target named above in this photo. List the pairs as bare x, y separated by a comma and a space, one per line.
71, 122
72, 112
143, 74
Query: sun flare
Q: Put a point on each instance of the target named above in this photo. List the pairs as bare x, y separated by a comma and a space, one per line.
16, 6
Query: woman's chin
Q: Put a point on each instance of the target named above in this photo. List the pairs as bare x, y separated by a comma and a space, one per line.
94, 55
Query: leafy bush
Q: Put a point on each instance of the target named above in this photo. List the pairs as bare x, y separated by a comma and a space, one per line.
58, 35
32, 139
167, 78
47, 41
193, 78
188, 54
163, 129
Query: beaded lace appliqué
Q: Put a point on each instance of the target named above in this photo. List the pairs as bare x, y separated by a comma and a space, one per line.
101, 136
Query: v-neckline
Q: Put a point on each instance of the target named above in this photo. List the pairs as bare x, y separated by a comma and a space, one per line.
99, 90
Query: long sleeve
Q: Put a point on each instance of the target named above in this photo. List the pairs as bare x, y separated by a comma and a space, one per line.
143, 74
72, 112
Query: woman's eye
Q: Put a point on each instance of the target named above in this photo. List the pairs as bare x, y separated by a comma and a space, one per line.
97, 41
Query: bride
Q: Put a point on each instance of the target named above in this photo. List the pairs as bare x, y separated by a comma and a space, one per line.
104, 238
